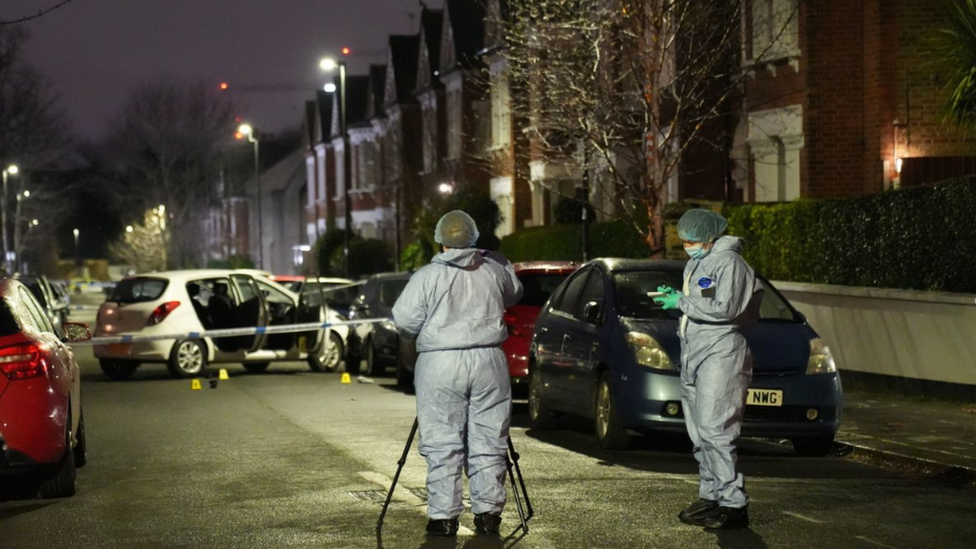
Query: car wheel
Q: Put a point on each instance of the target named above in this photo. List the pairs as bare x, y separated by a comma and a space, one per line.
81, 447
373, 365
328, 356
64, 481
404, 378
256, 367
610, 433
813, 446
187, 359
539, 415
116, 369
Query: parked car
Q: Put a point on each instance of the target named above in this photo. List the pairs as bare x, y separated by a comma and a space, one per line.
539, 279
185, 302
604, 350
311, 285
42, 426
53, 306
378, 343
84, 285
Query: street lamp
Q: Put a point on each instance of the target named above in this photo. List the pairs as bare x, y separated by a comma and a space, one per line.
329, 65
252, 136
11, 170
77, 252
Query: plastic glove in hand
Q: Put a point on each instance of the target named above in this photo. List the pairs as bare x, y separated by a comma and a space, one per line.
669, 301
666, 289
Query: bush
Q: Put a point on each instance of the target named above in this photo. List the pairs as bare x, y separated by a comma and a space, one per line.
564, 242
909, 239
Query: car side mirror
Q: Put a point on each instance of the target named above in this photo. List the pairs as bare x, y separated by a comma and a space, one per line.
76, 332
592, 312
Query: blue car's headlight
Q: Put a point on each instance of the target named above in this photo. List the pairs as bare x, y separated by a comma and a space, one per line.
648, 352
821, 361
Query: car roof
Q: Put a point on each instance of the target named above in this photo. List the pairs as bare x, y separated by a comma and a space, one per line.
390, 276
620, 264
545, 266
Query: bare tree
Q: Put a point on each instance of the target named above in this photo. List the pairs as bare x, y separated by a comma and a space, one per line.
34, 135
626, 89
166, 141
143, 245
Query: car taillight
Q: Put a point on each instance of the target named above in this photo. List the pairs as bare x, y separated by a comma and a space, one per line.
22, 362
512, 322
160, 313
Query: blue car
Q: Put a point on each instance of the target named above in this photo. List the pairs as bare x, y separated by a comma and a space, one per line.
604, 350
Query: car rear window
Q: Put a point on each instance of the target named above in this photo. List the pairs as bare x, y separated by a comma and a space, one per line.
537, 287
135, 290
8, 324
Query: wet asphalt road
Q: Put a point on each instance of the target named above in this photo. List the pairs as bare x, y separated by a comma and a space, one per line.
289, 458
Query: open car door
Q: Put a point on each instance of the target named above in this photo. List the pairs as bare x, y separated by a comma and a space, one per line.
251, 310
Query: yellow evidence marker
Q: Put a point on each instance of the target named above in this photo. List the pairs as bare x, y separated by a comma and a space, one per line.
195, 385
223, 375
346, 378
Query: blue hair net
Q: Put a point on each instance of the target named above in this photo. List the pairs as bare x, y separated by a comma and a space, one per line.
701, 226
456, 230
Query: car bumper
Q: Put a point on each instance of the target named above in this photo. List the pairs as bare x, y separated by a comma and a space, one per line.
811, 405
32, 424
143, 351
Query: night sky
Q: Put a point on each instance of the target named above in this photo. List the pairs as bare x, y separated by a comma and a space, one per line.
94, 51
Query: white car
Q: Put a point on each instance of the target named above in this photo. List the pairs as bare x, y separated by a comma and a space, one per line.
189, 302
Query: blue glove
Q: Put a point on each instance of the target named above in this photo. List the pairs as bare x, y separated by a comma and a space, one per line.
669, 301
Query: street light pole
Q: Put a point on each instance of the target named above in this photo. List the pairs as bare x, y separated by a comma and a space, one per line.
347, 164
77, 253
11, 170
252, 136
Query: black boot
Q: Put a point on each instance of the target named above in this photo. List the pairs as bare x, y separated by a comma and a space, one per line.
727, 518
698, 511
442, 527
487, 523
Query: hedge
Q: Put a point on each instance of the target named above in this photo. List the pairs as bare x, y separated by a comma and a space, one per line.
918, 238
564, 242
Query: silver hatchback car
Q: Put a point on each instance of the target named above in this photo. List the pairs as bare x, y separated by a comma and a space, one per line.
190, 302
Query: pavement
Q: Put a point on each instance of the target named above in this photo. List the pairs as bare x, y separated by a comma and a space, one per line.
934, 437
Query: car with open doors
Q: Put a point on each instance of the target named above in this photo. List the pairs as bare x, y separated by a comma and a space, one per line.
186, 303
42, 426
604, 350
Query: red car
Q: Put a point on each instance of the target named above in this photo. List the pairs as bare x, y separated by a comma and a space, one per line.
539, 279
42, 429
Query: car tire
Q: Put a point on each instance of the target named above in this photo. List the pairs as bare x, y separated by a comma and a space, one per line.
64, 482
256, 367
610, 432
81, 448
187, 359
328, 356
374, 366
813, 446
404, 378
117, 369
540, 417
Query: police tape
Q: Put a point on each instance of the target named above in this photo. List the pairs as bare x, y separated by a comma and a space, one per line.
230, 332
83, 307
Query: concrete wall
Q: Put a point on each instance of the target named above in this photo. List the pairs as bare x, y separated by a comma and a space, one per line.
927, 336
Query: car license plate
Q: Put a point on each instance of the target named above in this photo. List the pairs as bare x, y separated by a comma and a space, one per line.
765, 397
119, 348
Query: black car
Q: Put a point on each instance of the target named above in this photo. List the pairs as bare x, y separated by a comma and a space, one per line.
378, 343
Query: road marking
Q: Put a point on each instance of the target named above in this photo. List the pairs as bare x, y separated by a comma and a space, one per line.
873, 542
406, 496
801, 517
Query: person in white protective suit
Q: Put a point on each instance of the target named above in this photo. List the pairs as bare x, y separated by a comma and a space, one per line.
454, 307
720, 300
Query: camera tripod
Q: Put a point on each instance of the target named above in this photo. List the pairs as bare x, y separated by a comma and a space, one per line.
511, 460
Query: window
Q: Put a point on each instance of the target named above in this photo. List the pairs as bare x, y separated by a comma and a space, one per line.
390, 290
593, 291
135, 290
631, 289
537, 287
40, 320
567, 301
274, 295
501, 110
775, 29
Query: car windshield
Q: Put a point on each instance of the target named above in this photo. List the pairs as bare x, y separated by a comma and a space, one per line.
632, 299
390, 290
135, 290
537, 287
336, 296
